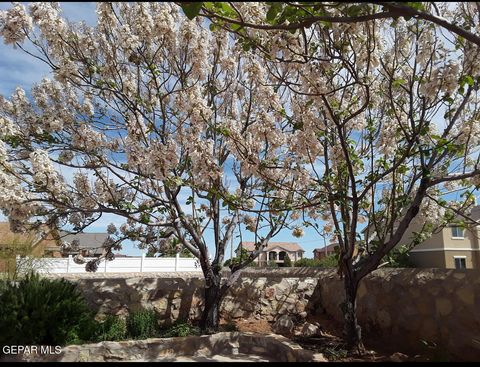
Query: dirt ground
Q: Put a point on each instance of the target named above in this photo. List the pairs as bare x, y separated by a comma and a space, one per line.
331, 345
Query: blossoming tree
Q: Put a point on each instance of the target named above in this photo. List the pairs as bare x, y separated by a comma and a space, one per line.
140, 112
384, 122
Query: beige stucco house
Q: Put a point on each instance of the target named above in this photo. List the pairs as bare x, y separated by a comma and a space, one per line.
275, 251
32, 244
452, 248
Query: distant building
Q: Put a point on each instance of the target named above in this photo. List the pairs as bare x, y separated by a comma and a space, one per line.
44, 242
320, 253
453, 247
86, 244
40, 243
33, 244
274, 251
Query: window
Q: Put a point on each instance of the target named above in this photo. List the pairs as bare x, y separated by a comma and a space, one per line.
272, 255
457, 232
299, 254
460, 262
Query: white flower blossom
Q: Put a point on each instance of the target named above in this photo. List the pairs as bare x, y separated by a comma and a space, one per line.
298, 232
15, 23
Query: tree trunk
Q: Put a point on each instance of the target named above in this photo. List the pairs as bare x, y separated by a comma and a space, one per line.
211, 312
351, 331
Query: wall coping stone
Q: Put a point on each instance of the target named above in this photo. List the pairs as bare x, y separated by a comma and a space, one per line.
272, 347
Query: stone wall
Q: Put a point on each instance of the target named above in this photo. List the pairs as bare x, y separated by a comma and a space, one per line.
220, 347
400, 306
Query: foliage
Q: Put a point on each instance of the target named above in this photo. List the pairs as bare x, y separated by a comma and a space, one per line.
399, 258
272, 264
291, 17
335, 353
330, 261
112, 328
142, 324
236, 260
23, 246
168, 248
286, 261
192, 9
180, 328
305, 262
227, 263
43, 311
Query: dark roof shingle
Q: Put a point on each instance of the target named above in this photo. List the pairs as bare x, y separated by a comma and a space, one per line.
93, 241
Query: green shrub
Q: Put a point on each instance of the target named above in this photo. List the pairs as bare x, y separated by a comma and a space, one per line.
238, 259
307, 263
112, 328
180, 328
272, 264
330, 261
286, 261
44, 311
83, 332
326, 262
399, 258
142, 324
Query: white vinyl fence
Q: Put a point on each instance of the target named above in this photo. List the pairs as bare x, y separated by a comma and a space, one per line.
134, 264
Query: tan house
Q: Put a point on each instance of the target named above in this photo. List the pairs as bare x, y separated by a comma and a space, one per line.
36, 243
23, 244
274, 251
452, 247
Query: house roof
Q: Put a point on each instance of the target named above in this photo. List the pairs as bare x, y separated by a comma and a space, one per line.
288, 246
93, 241
330, 248
475, 213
